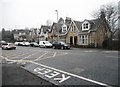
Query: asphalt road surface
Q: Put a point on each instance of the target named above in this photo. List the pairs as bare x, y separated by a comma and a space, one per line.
77, 66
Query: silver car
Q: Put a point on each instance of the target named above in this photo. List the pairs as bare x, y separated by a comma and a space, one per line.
7, 46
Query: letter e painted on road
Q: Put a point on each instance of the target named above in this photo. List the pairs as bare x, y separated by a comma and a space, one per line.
52, 74
45, 71
42, 70
62, 79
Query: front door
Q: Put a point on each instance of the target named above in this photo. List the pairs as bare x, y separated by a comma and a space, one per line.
71, 40
75, 40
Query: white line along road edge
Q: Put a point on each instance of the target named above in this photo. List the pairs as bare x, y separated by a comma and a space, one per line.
80, 77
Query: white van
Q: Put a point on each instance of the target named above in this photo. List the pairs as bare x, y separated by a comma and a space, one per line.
45, 44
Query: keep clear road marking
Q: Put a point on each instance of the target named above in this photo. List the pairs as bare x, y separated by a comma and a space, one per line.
64, 75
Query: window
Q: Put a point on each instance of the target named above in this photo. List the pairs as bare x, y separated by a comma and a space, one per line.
84, 40
64, 29
85, 26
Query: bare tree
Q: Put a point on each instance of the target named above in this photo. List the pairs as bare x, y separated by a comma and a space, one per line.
111, 15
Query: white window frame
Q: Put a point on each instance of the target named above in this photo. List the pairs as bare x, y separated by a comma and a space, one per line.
84, 40
85, 26
64, 28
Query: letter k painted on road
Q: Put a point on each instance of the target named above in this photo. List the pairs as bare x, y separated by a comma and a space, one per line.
62, 79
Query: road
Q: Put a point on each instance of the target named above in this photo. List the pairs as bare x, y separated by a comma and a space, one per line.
78, 66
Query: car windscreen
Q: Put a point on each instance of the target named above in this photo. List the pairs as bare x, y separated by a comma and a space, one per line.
4, 44
63, 43
47, 42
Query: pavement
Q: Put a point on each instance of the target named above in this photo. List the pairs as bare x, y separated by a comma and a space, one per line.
14, 75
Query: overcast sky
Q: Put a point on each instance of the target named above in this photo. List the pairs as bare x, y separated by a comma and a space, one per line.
34, 13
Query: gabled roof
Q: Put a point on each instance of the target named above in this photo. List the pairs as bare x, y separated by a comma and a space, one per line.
45, 28
57, 27
61, 20
94, 24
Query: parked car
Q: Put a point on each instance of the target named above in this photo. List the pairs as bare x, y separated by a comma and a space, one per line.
16, 43
23, 44
45, 44
2, 42
20, 44
6, 46
60, 45
34, 44
26, 43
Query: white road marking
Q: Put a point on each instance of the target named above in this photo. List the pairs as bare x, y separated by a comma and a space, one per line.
54, 54
80, 77
22, 54
41, 56
29, 56
51, 74
62, 79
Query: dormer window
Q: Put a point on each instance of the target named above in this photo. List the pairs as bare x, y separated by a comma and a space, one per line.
86, 26
64, 28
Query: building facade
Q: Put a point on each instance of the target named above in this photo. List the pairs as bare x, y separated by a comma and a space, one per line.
88, 33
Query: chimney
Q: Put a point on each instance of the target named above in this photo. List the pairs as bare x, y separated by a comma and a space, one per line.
68, 20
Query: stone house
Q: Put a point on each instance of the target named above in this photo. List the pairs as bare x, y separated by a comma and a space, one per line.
22, 34
86, 33
43, 32
58, 31
34, 32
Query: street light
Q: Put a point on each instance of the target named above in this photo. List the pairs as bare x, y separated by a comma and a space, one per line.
57, 14
57, 22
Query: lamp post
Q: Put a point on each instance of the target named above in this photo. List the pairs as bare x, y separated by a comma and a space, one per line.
57, 14
57, 22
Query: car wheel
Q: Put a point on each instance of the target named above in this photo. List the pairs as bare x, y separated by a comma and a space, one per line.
62, 48
53, 47
45, 46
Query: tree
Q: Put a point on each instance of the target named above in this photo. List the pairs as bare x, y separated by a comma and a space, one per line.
111, 15
3, 34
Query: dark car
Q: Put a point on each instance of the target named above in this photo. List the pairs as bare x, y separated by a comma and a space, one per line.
60, 45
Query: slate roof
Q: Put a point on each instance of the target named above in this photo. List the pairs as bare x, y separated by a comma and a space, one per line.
17, 31
58, 27
94, 24
45, 28
61, 20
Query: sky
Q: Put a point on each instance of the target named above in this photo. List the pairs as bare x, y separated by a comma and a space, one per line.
22, 14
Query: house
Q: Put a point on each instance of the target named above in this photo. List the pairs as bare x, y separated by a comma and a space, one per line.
58, 31
91, 33
22, 34
34, 32
43, 32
